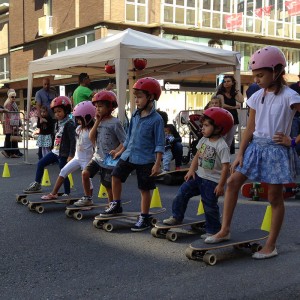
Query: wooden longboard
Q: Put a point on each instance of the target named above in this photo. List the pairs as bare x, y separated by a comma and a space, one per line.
172, 177
23, 198
38, 204
246, 239
103, 222
77, 212
257, 190
197, 226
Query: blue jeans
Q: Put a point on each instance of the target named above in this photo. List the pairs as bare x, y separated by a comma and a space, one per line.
167, 158
51, 158
177, 151
205, 188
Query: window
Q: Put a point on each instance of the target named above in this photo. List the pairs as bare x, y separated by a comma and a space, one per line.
4, 67
137, 11
71, 42
48, 8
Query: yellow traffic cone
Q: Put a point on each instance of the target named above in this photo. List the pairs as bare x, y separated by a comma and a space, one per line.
266, 223
155, 200
6, 172
200, 208
46, 179
102, 192
71, 180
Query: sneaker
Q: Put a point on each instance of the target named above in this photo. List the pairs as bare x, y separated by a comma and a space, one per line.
143, 223
113, 209
205, 235
163, 172
49, 197
171, 221
34, 187
84, 201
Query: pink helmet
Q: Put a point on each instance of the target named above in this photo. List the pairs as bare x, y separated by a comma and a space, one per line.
221, 117
267, 57
84, 108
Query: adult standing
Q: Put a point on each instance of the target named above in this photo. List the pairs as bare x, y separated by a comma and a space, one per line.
11, 122
82, 92
43, 97
296, 119
231, 101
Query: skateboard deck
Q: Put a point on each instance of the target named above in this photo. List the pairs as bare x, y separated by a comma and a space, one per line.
23, 198
173, 177
77, 212
38, 204
257, 190
199, 250
104, 222
197, 226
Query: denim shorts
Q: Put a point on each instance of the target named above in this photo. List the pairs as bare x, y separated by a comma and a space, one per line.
145, 182
105, 174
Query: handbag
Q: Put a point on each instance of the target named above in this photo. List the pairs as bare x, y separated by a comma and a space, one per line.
16, 138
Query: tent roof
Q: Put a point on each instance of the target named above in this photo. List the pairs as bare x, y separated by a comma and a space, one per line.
166, 58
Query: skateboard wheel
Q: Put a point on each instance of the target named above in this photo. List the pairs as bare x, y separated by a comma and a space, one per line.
171, 236
40, 209
255, 248
190, 254
31, 206
68, 213
108, 227
155, 232
98, 224
24, 201
19, 198
210, 259
153, 221
78, 216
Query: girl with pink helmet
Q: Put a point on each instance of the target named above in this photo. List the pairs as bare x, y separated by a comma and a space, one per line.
84, 113
267, 153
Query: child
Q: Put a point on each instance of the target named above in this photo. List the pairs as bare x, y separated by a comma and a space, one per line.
108, 135
215, 101
64, 144
142, 150
208, 171
266, 154
173, 148
44, 140
84, 114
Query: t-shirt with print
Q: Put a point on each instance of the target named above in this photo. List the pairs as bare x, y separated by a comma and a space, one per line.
84, 146
211, 157
110, 134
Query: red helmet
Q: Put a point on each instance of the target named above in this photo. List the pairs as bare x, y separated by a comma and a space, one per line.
61, 101
221, 117
110, 69
149, 85
106, 96
140, 63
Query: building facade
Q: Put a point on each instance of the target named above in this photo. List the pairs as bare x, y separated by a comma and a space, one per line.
33, 29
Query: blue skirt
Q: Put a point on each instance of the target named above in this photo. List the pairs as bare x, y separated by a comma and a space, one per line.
265, 161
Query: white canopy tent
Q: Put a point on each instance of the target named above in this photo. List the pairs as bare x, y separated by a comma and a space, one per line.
167, 59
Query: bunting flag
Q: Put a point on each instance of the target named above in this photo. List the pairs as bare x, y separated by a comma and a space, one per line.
234, 21
293, 7
266, 11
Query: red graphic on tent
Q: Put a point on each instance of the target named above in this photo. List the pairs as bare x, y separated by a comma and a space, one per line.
293, 7
234, 21
266, 11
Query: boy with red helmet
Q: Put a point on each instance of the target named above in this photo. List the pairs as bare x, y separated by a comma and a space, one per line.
64, 144
142, 151
108, 136
267, 153
208, 171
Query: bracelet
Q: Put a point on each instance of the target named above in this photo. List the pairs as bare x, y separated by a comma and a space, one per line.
293, 143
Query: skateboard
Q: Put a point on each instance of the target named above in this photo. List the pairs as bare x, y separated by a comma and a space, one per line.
257, 190
104, 222
199, 250
38, 204
77, 212
22, 198
175, 177
197, 226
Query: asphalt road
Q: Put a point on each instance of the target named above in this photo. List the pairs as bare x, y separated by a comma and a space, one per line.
50, 256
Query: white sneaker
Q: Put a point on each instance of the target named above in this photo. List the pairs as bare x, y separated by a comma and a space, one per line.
205, 235
84, 201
